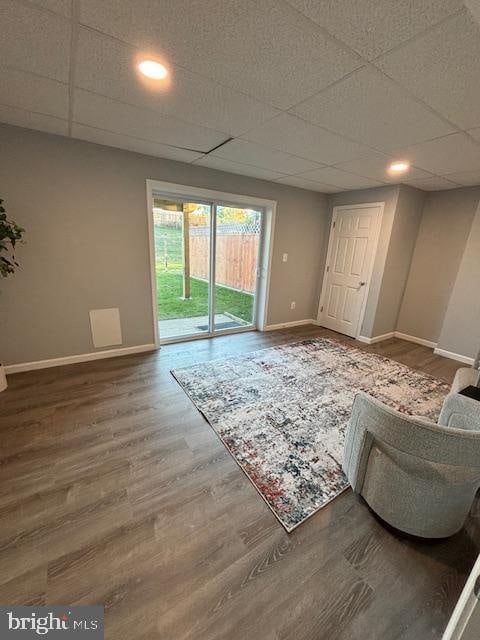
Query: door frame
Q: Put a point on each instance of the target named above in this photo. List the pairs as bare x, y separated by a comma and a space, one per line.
461, 621
269, 207
378, 226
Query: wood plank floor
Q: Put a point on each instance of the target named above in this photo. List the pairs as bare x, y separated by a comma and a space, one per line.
114, 490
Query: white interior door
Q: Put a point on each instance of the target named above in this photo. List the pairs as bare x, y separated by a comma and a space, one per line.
351, 252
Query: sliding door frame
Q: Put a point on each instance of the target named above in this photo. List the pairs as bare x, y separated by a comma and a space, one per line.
212, 261
214, 198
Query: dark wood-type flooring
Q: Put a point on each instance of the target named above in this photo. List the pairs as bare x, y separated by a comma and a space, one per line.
114, 490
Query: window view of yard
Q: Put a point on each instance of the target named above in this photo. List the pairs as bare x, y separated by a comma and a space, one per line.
181, 235
171, 305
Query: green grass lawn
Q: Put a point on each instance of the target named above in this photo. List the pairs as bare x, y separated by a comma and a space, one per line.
170, 304
168, 241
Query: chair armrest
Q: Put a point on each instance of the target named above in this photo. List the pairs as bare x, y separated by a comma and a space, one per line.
438, 443
460, 412
370, 421
358, 443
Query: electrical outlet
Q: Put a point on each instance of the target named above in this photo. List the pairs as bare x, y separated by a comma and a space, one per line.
285, 257
292, 305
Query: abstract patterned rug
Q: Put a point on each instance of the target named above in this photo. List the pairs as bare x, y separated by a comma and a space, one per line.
282, 413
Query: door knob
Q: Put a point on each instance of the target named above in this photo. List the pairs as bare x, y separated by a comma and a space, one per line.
362, 284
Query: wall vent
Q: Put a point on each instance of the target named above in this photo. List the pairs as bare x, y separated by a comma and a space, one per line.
105, 326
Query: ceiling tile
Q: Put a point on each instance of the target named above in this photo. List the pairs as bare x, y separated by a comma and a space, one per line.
372, 27
34, 93
451, 154
465, 178
29, 120
432, 184
108, 67
261, 47
63, 7
368, 107
260, 156
34, 40
442, 68
102, 113
338, 178
222, 164
293, 135
110, 139
375, 167
311, 185
474, 8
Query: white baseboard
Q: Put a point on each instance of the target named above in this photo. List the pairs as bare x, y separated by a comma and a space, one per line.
81, 357
401, 336
455, 356
385, 336
285, 325
124, 351
397, 334
422, 341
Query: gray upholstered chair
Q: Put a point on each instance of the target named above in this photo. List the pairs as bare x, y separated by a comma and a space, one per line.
418, 476
466, 377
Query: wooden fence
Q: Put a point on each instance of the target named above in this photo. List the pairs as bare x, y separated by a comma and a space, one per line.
236, 259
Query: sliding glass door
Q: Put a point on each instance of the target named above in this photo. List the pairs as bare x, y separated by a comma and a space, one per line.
206, 265
237, 246
182, 232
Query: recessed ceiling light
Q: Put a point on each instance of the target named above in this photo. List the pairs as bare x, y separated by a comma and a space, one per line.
399, 166
153, 70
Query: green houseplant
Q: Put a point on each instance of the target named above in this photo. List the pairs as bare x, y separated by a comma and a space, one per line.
10, 234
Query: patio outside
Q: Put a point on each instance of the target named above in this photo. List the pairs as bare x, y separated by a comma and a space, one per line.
182, 267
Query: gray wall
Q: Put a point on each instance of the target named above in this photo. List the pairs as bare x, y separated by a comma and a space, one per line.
390, 196
446, 223
460, 332
403, 237
84, 208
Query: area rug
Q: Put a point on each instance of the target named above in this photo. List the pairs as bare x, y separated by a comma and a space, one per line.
282, 414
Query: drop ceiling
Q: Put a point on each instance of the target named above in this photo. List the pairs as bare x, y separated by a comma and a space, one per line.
317, 94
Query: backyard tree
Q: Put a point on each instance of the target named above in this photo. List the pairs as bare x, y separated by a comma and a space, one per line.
227, 215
